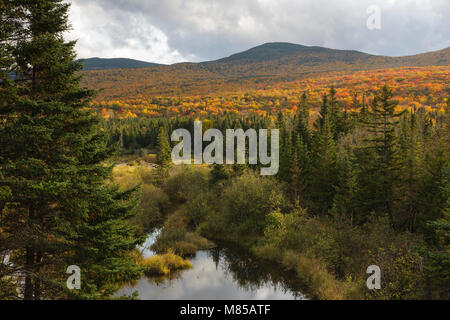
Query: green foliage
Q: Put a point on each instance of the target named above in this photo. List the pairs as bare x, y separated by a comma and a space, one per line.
402, 274
437, 252
332, 254
248, 200
164, 151
185, 183
218, 173
60, 209
324, 169
379, 165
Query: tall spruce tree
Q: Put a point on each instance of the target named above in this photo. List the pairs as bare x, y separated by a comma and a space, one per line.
382, 146
410, 158
9, 30
323, 177
286, 150
164, 152
346, 188
323, 113
61, 210
302, 121
300, 170
337, 117
436, 252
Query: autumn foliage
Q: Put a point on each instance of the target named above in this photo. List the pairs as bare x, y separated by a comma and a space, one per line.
413, 86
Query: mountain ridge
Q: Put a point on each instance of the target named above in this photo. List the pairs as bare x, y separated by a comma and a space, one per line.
269, 51
97, 63
257, 67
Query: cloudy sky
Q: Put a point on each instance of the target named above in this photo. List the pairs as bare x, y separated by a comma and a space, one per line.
169, 31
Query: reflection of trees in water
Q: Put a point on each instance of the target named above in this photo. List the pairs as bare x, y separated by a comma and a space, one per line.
244, 269
252, 273
162, 280
156, 280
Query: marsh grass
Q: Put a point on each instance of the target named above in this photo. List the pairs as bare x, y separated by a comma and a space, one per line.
161, 265
176, 237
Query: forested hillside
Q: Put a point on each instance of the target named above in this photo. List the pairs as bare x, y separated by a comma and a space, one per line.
413, 86
256, 68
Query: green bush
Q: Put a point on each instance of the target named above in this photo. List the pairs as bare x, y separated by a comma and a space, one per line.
185, 183
199, 207
248, 200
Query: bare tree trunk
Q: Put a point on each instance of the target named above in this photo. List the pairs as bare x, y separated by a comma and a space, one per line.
29, 265
37, 281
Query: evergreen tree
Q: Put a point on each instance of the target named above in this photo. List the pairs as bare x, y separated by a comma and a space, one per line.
286, 151
410, 158
323, 114
61, 210
431, 196
296, 186
333, 103
323, 176
286, 158
164, 157
302, 121
10, 29
300, 169
346, 189
436, 252
337, 118
383, 169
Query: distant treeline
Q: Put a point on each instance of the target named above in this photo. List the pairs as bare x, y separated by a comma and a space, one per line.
133, 134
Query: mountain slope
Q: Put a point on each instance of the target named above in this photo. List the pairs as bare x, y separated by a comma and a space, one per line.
115, 63
260, 66
283, 59
282, 50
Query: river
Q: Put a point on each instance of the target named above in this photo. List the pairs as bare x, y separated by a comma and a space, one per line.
224, 272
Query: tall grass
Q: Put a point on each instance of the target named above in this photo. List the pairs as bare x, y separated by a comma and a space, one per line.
161, 265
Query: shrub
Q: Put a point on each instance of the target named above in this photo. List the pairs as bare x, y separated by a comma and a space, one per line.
176, 236
328, 253
401, 273
248, 200
199, 207
185, 183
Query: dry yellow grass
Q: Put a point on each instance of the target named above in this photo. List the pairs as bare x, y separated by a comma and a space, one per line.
160, 265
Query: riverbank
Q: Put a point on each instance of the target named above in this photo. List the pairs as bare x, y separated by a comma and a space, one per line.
226, 271
327, 255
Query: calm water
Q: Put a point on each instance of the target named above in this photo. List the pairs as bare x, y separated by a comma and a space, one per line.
225, 272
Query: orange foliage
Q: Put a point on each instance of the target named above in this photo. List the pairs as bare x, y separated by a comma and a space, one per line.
413, 86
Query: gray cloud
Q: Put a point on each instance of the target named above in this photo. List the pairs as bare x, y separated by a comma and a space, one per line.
195, 30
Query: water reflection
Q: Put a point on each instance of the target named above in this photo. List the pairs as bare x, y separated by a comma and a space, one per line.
225, 272
145, 249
